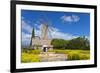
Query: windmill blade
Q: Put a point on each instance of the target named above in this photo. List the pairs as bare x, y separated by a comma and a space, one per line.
50, 23
51, 28
42, 21
50, 35
46, 28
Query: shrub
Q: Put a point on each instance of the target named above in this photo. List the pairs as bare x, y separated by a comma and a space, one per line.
84, 56
60, 51
78, 56
75, 57
27, 58
31, 51
36, 51
74, 54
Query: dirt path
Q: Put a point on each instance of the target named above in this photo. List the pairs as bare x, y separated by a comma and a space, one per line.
51, 56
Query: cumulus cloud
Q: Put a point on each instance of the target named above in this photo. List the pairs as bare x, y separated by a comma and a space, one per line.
37, 32
56, 33
71, 18
26, 27
26, 32
26, 38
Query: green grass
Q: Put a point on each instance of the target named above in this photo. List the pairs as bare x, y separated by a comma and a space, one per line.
28, 56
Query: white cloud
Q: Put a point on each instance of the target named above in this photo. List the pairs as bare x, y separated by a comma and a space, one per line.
56, 33
61, 35
55, 29
72, 18
26, 35
26, 27
26, 32
37, 26
26, 38
37, 32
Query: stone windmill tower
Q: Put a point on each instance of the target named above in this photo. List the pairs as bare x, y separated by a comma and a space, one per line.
45, 40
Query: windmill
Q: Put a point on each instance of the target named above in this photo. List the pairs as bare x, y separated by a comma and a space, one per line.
46, 30
45, 37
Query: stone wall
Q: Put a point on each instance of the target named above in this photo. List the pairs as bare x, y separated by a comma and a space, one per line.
41, 42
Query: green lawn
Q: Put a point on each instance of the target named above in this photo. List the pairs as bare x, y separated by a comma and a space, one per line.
28, 56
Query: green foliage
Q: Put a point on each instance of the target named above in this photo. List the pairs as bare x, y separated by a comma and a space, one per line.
79, 43
76, 43
75, 57
78, 54
31, 51
29, 55
27, 58
74, 54
36, 51
59, 43
60, 51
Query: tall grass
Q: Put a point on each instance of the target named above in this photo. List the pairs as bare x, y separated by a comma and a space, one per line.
28, 56
31, 51
74, 54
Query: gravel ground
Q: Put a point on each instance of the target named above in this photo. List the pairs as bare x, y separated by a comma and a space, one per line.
50, 56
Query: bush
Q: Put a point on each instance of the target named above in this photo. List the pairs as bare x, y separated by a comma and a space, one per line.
31, 51
74, 57
36, 51
84, 56
30, 55
75, 54
27, 58
60, 51
78, 55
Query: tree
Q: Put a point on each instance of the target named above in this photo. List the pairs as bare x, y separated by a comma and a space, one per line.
79, 43
75, 43
33, 36
59, 43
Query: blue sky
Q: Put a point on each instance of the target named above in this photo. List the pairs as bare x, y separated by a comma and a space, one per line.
66, 25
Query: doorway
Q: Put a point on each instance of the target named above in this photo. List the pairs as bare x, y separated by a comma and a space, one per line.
45, 49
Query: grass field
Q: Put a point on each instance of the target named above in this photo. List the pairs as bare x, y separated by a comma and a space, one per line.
28, 56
